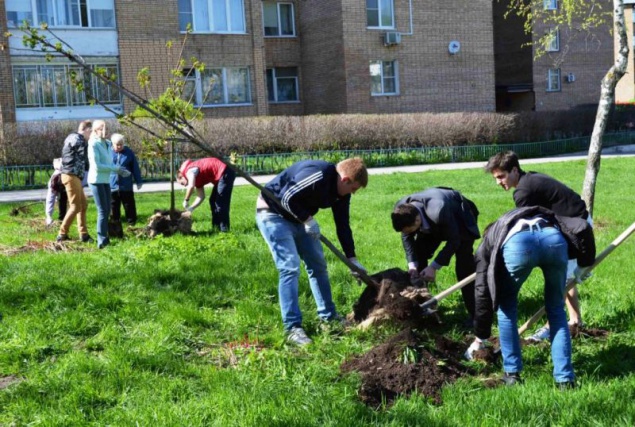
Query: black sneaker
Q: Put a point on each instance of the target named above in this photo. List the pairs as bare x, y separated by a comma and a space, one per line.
566, 385
511, 378
87, 239
61, 238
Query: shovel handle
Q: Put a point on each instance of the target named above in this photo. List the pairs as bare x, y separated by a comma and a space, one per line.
441, 295
572, 282
363, 276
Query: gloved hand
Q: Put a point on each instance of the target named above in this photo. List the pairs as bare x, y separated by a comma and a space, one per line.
477, 344
185, 204
123, 172
357, 264
580, 275
139, 186
312, 229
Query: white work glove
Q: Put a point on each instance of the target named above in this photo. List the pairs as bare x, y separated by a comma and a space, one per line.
139, 186
312, 229
357, 264
123, 172
185, 204
477, 344
580, 275
49, 220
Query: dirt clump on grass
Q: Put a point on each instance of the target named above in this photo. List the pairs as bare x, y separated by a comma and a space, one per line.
417, 359
168, 223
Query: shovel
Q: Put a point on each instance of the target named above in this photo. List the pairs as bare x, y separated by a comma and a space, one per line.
572, 282
429, 307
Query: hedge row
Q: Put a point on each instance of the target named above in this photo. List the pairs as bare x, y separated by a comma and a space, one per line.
39, 142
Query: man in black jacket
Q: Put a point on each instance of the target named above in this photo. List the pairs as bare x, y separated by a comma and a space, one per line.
74, 166
512, 247
284, 215
430, 217
536, 189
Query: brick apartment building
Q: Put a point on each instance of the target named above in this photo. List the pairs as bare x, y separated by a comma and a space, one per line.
296, 57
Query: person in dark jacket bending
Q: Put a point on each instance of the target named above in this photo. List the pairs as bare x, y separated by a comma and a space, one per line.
288, 226
121, 187
430, 217
518, 242
537, 189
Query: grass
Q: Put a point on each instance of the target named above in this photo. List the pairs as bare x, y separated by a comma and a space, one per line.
186, 330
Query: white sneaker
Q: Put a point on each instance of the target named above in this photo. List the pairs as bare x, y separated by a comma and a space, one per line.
296, 335
540, 335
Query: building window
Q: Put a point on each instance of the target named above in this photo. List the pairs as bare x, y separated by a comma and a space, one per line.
550, 4
217, 87
282, 84
553, 80
212, 16
384, 78
62, 13
278, 19
552, 41
380, 14
45, 86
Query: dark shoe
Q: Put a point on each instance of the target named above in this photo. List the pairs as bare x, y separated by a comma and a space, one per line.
61, 238
511, 378
567, 385
87, 239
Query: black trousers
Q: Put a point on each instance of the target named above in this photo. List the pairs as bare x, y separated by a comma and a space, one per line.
62, 203
426, 246
220, 200
125, 198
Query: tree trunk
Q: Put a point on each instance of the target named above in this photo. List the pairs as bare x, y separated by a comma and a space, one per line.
607, 99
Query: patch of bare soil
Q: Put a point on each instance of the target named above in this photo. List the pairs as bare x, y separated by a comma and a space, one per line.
8, 381
168, 223
417, 359
33, 246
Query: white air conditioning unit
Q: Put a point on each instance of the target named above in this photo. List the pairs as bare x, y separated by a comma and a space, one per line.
570, 78
392, 38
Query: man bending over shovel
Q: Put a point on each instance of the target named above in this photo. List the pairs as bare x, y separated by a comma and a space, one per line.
293, 234
433, 216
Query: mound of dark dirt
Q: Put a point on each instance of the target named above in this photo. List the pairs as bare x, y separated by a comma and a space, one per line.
409, 361
168, 223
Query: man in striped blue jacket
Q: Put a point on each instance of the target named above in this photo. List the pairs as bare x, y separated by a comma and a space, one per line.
284, 214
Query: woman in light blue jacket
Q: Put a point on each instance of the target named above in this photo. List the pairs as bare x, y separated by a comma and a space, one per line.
100, 167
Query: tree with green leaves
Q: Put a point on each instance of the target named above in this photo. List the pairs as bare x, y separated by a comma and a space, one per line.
582, 18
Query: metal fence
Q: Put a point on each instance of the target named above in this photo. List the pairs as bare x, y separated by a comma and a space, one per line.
37, 176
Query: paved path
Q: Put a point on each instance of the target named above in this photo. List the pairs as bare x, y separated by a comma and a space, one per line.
153, 187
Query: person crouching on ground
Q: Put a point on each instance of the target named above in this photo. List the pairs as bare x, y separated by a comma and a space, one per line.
518, 242
196, 174
121, 187
55, 190
430, 217
292, 234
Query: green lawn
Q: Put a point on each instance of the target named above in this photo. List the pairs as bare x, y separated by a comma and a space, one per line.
186, 330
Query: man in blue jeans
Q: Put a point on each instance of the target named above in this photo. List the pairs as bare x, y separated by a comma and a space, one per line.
512, 247
288, 227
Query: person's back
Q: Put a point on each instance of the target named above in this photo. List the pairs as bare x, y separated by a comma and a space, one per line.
537, 189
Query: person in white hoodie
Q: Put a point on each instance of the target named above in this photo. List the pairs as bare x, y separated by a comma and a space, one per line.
99, 170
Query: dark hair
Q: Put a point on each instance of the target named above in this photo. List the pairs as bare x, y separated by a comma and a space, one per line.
506, 161
404, 216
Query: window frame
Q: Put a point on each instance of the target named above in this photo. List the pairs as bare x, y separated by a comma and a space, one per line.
194, 12
83, 15
73, 99
279, 18
554, 75
275, 79
395, 65
198, 101
379, 8
553, 41
550, 4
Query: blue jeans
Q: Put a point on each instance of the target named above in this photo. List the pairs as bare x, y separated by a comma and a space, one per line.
288, 243
101, 194
545, 248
